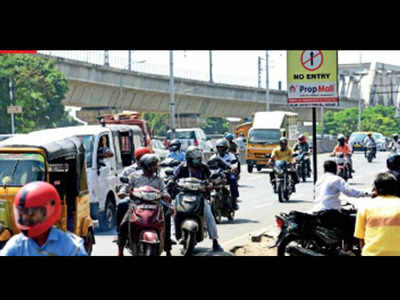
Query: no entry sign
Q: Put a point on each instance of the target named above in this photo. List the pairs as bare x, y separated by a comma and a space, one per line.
312, 78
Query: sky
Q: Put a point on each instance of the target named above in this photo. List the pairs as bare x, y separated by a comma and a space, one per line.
236, 67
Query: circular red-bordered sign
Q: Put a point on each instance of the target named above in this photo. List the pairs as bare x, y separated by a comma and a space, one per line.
312, 60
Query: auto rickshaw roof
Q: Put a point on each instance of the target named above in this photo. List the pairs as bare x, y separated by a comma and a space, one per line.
55, 146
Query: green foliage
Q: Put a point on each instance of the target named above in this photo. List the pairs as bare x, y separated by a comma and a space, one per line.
377, 118
38, 87
215, 126
158, 122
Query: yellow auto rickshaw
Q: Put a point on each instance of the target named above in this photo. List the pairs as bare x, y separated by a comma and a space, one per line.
42, 157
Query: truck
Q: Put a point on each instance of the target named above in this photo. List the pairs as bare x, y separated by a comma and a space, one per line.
243, 128
264, 135
131, 118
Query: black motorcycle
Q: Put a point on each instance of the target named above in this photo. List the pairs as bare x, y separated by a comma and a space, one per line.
370, 153
189, 219
317, 234
221, 200
302, 165
283, 185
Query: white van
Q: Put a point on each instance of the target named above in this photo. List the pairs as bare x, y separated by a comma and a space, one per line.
103, 174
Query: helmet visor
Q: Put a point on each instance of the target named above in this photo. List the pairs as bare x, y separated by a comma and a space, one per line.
30, 216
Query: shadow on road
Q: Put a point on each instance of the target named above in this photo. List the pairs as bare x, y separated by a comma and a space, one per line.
246, 186
238, 221
298, 201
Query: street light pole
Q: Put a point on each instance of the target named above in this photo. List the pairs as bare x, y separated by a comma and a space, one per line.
130, 60
12, 102
171, 93
266, 80
106, 58
210, 58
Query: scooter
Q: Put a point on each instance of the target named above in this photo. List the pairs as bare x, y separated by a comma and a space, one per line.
146, 222
302, 163
190, 225
343, 166
370, 155
221, 200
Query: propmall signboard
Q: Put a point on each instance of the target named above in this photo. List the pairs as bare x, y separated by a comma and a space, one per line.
312, 78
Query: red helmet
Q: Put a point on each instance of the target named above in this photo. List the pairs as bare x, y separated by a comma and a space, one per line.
302, 138
141, 151
37, 207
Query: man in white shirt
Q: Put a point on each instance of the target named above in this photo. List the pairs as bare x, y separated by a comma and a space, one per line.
329, 187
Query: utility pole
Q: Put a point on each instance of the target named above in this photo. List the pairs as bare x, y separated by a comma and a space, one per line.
120, 92
266, 80
259, 72
171, 93
210, 58
106, 58
129, 60
12, 102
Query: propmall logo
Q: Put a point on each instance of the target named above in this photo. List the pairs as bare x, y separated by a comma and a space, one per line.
317, 89
18, 51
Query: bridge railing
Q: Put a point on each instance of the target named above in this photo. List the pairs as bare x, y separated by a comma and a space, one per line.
119, 59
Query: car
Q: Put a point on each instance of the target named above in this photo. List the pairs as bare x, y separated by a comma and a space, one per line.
159, 149
380, 139
356, 140
191, 136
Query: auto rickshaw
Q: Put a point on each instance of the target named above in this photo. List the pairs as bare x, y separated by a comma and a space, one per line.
59, 161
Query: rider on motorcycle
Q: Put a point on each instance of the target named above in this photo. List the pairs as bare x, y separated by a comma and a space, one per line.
193, 167
343, 148
284, 152
146, 176
328, 189
369, 141
233, 147
393, 164
302, 146
222, 153
395, 144
175, 150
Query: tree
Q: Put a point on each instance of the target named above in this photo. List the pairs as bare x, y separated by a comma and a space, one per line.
377, 118
38, 87
158, 122
216, 126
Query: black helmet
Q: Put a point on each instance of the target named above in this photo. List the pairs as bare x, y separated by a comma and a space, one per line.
193, 156
147, 161
395, 135
222, 146
340, 137
393, 162
174, 145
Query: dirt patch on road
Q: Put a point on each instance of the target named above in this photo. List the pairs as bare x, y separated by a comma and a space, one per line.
260, 248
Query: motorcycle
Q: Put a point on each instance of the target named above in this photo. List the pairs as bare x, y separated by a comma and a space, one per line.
283, 186
190, 225
221, 200
302, 163
305, 234
146, 228
370, 153
343, 166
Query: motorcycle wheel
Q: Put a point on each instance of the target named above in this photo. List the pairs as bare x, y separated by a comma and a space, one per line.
280, 189
281, 250
190, 242
216, 213
249, 168
259, 168
231, 215
370, 158
88, 241
150, 250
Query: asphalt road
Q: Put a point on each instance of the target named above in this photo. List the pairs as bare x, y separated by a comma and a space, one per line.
260, 205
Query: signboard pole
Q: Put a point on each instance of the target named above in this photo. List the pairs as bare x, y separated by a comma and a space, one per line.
314, 134
11, 100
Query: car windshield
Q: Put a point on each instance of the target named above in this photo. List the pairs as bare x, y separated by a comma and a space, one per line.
357, 137
158, 145
377, 136
264, 136
18, 169
182, 135
87, 141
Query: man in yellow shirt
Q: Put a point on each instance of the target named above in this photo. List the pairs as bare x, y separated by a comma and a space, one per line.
378, 220
283, 152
